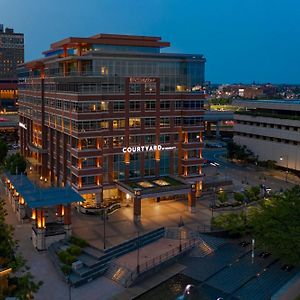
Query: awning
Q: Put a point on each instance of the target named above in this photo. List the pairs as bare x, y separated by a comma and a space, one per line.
155, 187
36, 197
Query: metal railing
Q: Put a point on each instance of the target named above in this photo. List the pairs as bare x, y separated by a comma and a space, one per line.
160, 259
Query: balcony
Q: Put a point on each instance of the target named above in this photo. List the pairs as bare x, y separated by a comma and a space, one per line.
36, 149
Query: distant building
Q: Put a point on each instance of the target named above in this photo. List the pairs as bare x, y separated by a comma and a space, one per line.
246, 91
11, 54
271, 129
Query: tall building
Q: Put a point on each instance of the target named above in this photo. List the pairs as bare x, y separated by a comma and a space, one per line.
105, 111
270, 129
11, 54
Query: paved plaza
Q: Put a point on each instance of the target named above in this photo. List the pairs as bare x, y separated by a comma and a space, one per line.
120, 227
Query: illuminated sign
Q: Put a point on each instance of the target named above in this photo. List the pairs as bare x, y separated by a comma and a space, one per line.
150, 148
142, 80
22, 125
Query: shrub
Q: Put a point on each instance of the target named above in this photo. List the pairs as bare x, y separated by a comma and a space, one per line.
222, 197
66, 257
78, 241
66, 269
74, 250
239, 197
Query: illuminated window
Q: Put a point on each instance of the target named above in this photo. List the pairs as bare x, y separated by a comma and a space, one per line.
104, 70
118, 124
103, 106
134, 122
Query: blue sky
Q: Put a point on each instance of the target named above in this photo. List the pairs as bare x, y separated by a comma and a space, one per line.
243, 40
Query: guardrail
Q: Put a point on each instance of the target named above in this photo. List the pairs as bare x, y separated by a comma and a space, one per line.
160, 259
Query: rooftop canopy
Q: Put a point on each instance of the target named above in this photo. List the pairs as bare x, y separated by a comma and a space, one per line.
36, 197
155, 187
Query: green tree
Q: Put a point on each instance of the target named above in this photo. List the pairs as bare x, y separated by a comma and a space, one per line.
3, 151
234, 223
15, 163
276, 225
20, 281
222, 197
239, 197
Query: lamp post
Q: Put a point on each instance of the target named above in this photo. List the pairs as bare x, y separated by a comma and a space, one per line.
287, 167
180, 224
104, 229
69, 287
138, 253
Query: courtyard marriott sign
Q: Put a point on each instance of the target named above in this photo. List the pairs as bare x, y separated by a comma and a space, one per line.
149, 148
142, 80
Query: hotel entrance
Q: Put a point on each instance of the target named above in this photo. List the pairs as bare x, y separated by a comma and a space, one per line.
156, 190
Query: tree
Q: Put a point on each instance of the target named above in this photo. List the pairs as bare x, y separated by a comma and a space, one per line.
234, 223
239, 197
20, 281
222, 197
3, 151
276, 225
252, 194
15, 163
235, 151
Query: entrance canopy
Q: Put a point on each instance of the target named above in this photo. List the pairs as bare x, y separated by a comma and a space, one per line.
155, 187
37, 197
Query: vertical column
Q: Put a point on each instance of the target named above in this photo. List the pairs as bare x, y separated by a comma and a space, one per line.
51, 149
39, 232
192, 199
67, 220
157, 126
59, 213
21, 208
180, 141
99, 196
208, 128
137, 206
44, 170
57, 140
64, 159
218, 124
126, 154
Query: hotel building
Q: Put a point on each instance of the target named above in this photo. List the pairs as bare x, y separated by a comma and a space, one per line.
11, 54
112, 115
270, 129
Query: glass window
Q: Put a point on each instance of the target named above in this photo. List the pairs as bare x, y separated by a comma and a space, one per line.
134, 140
150, 88
89, 162
119, 123
104, 124
150, 105
134, 105
165, 105
134, 122
89, 143
149, 122
118, 106
149, 139
118, 141
165, 122
103, 106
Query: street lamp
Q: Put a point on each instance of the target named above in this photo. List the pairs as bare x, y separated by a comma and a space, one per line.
138, 253
69, 282
287, 166
180, 224
104, 216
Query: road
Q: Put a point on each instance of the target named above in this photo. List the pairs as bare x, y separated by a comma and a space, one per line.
246, 175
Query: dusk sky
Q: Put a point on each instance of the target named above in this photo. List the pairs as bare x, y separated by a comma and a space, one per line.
243, 40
